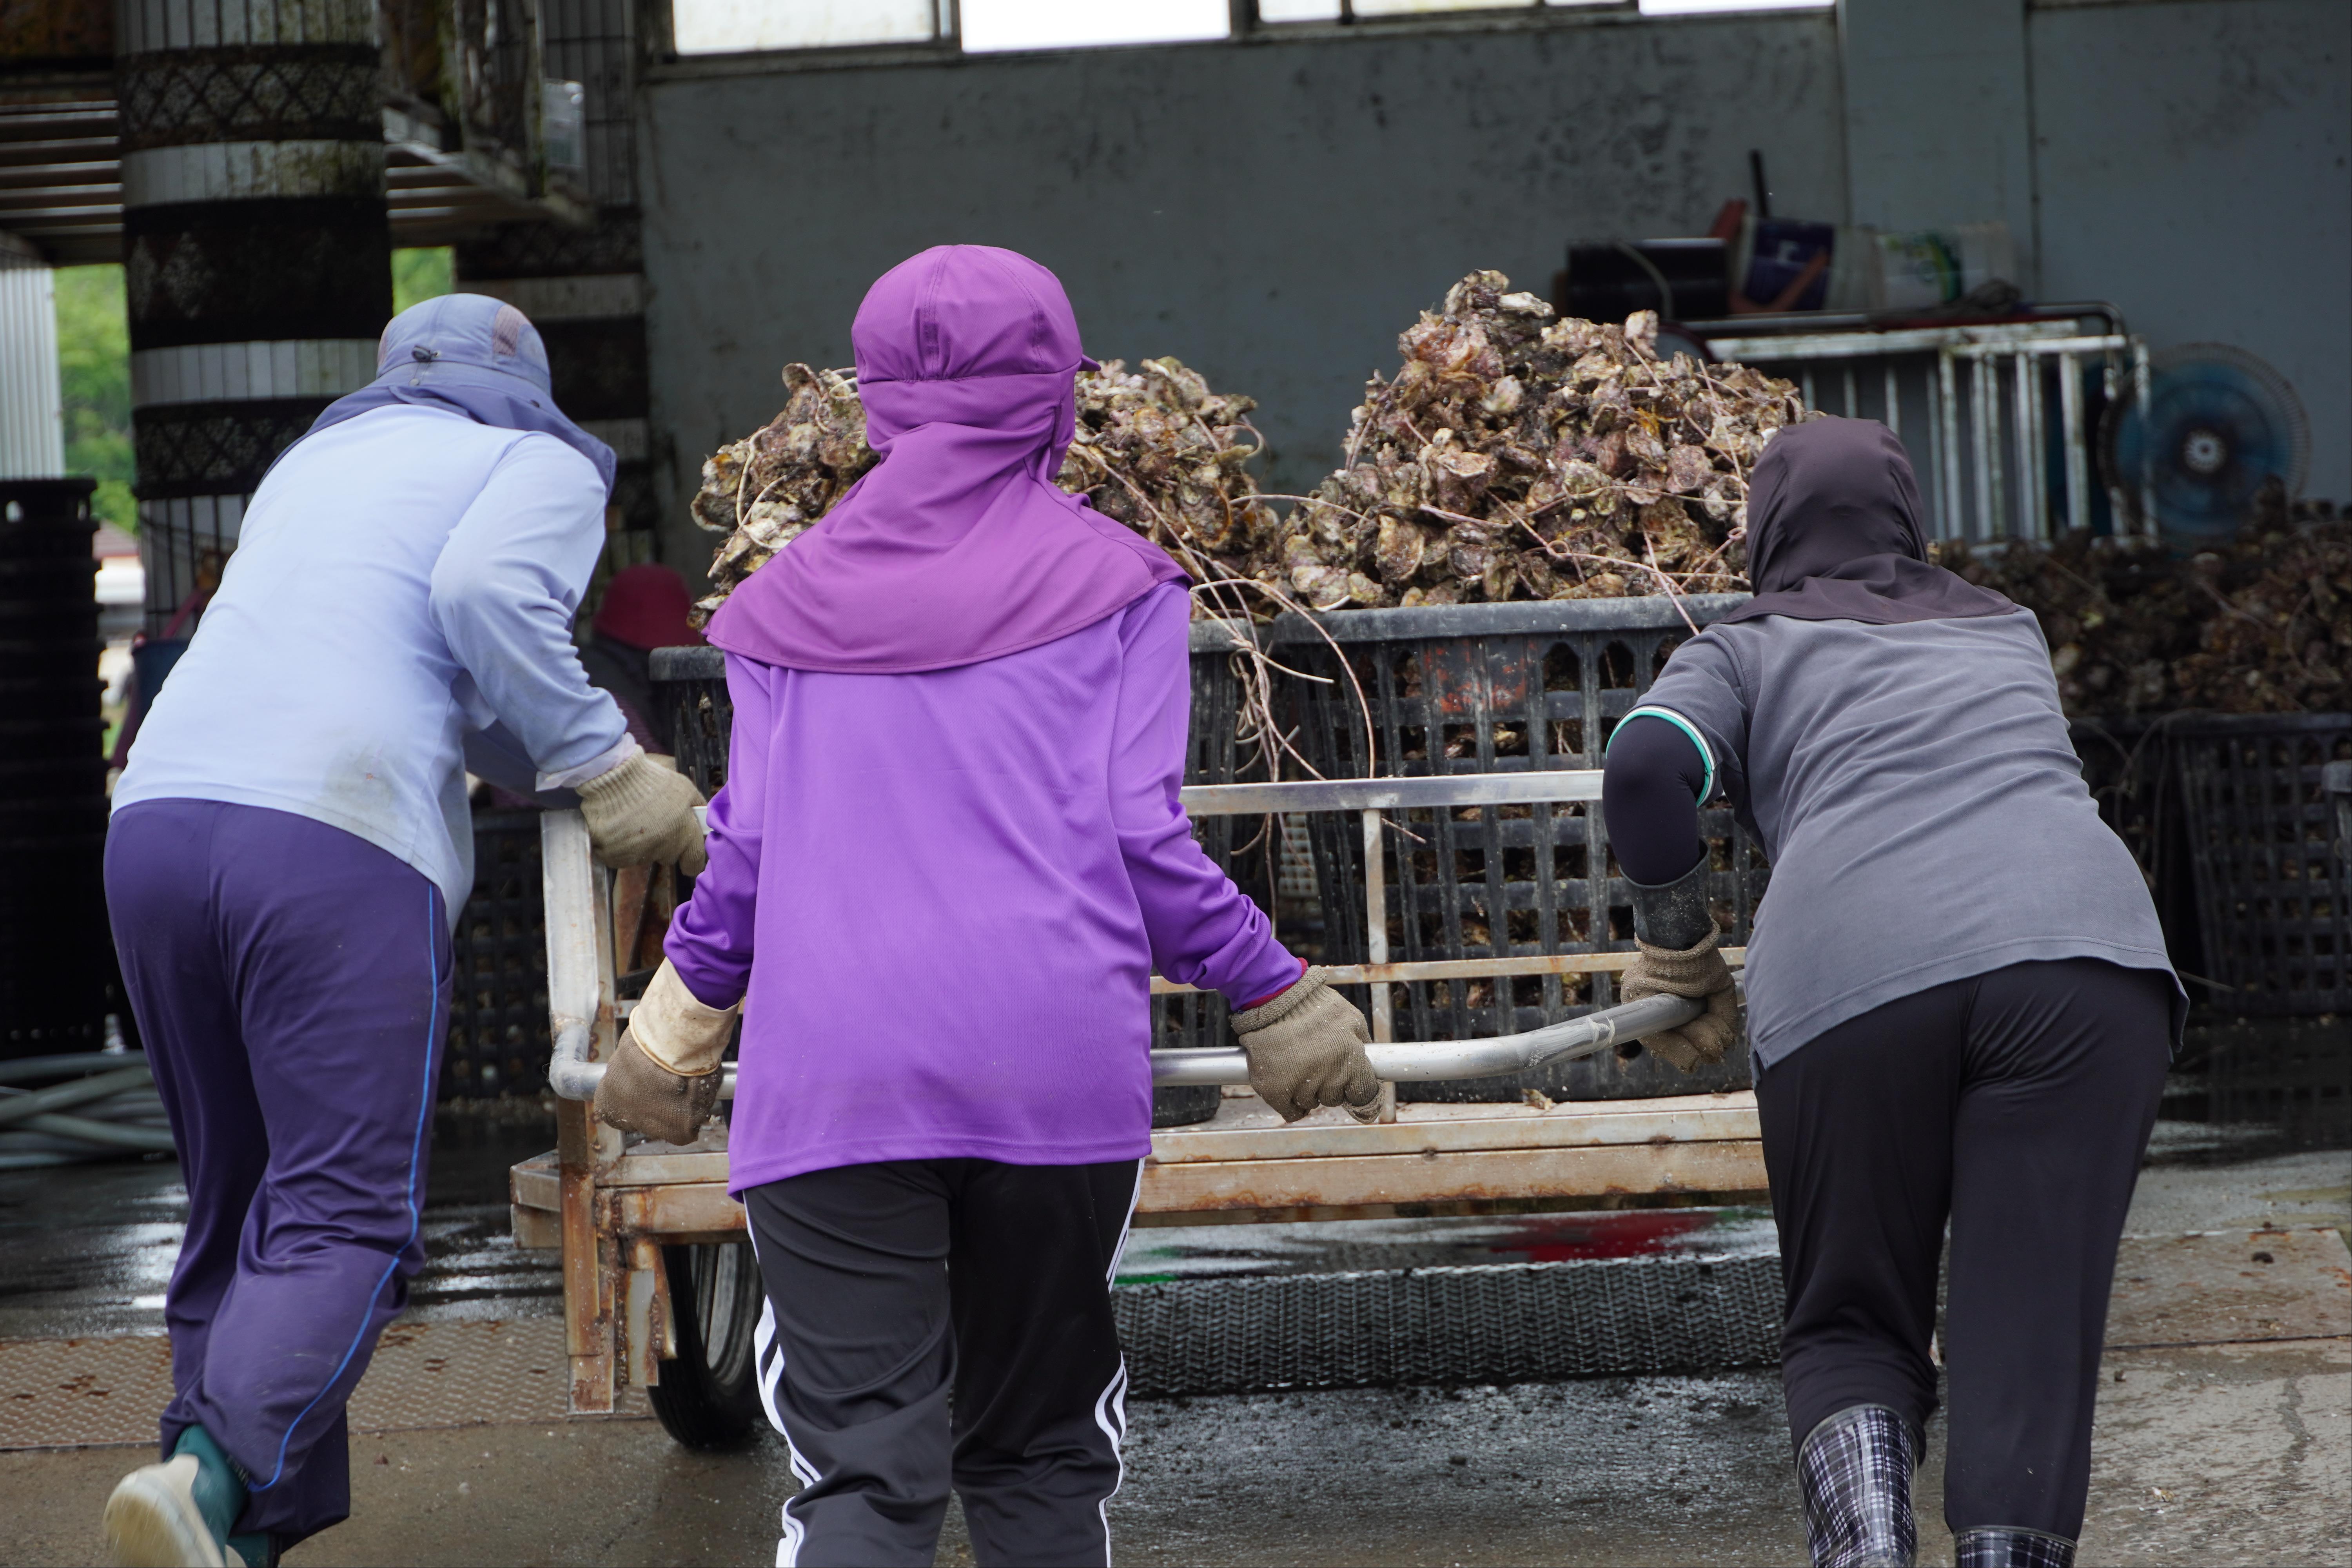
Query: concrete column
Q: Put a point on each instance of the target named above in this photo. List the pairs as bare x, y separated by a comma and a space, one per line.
257, 253
585, 288
585, 292
1938, 111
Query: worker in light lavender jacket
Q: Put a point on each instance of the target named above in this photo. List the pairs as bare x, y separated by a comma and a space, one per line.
948, 856
1959, 1004
289, 850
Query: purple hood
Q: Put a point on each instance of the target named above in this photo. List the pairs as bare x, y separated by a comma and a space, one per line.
957, 547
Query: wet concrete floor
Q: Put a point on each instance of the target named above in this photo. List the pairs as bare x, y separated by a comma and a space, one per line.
2227, 1453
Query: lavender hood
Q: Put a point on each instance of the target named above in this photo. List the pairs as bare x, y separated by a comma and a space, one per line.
473, 355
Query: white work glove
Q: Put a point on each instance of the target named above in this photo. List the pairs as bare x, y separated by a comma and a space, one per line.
643, 812
664, 1079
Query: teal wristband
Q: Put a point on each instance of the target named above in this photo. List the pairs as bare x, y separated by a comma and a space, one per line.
1706, 752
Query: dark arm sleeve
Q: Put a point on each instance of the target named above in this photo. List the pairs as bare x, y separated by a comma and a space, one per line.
1650, 790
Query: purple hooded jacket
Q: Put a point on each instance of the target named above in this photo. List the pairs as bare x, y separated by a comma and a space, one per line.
947, 861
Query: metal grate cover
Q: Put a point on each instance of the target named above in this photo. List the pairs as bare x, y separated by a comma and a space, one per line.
2272, 884
498, 1042
1523, 1323
1495, 688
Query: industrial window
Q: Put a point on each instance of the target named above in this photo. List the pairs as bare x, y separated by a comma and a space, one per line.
983, 26
1690, 7
992, 24
1274, 13
737, 26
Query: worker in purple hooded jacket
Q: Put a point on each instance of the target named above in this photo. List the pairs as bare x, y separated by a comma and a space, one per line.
949, 854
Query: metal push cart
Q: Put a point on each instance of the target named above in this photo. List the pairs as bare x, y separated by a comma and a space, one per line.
660, 1290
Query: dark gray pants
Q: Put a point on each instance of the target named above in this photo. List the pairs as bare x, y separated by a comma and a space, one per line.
937, 1322
2017, 1104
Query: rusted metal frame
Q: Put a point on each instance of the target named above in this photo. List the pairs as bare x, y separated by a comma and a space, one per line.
2001, 337
2142, 383
1376, 926
1448, 1208
2030, 417
2033, 490
588, 1329
647, 1333
676, 1209
1354, 1182
1695, 1118
579, 951
1494, 836
2070, 418
1544, 826
1441, 791
586, 1148
1944, 414
1984, 415
1542, 963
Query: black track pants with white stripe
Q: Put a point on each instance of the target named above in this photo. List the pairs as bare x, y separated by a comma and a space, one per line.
937, 1322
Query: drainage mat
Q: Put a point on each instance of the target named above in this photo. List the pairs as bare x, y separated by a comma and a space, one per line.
1491, 1323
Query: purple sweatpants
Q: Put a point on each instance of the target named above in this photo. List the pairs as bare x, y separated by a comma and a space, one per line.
292, 982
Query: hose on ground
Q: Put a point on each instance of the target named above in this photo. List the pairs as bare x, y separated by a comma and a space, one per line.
93, 1105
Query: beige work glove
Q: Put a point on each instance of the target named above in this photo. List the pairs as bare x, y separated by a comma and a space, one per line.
642, 813
1305, 1048
1694, 972
664, 1079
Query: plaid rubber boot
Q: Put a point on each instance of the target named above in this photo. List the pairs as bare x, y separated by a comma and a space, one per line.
1856, 1470
2011, 1549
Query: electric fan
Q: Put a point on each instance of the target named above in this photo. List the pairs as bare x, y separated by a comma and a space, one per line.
2219, 422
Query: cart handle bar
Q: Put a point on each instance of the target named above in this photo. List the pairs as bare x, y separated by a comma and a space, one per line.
578, 985
575, 1078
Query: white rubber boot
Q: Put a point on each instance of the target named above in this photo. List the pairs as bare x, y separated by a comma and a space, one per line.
152, 1519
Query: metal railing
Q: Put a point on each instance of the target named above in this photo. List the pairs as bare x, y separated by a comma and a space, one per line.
1985, 393
579, 942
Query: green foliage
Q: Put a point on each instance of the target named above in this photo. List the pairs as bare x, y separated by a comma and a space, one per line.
94, 368
94, 374
418, 276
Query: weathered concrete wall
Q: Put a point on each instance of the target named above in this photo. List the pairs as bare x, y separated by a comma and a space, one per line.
2193, 168
1938, 130
1273, 214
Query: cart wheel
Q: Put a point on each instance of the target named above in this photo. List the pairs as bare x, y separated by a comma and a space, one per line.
707, 1397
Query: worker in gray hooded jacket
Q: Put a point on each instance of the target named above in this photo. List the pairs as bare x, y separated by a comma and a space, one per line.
1959, 1005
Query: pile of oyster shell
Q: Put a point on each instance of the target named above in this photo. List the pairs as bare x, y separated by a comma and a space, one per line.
1517, 455
1154, 448
2258, 624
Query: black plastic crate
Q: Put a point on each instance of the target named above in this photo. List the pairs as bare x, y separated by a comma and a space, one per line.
1489, 689
498, 1040
2273, 877
2293, 1074
693, 681
55, 950
2127, 768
